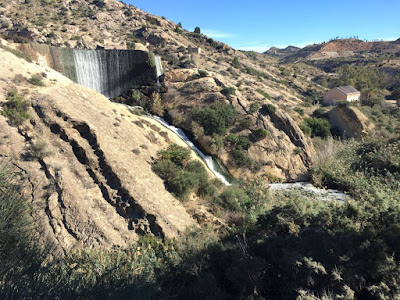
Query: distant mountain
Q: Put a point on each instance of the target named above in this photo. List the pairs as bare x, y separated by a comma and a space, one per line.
282, 52
335, 49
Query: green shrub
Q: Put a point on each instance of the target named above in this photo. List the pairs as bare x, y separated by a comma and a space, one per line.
176, 154
299, 110
16, 108
197, 30
203, 73
19, 255
246, 123
216, 118
182, 176
36, 79
227, 91
260, 133
241, 159
182, 183
319, 112
207, 189
238, 142
236, 63
268, 109
166, 169
254, 107
305, 128
197, 167
265, 94
318, 127
234, 198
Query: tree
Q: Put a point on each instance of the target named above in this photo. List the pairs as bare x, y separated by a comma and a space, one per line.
197, 30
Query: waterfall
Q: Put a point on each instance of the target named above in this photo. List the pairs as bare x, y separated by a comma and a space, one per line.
158, 66
110, 72
207, 159
89, 70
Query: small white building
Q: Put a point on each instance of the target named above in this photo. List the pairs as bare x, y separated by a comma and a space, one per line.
341, 93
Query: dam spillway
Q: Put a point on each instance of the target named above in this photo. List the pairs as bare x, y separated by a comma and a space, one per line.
109, 72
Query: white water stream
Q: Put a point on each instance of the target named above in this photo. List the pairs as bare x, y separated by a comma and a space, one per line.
207, 159
322, 194
159, 68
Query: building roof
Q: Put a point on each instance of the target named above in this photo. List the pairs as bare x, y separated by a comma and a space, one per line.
347, 89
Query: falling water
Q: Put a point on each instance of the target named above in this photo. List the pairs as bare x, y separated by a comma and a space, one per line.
207, 159
158, 66
112, 72
89, 72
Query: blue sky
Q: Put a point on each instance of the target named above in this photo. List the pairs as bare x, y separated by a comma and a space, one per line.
258, 25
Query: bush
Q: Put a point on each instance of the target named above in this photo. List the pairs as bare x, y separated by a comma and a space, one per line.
268, 109
197, 30
16, 108
238, 142
319, 112
299, 110
216, 118
246, 123
265, 94
228, 91
260, 133
176, 154
36, 79
182, 176
241, 159
236, 63
254, 107
305, 128
182, 183
203, 73
234, 199
166, 169
318, 127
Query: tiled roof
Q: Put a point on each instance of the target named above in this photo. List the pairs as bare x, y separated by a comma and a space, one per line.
348, 89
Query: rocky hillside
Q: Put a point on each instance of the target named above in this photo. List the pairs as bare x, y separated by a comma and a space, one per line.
86, 162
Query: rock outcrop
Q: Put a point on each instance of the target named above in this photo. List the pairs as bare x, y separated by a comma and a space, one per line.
349, 122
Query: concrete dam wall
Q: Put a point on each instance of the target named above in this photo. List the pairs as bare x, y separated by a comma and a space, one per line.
110, 72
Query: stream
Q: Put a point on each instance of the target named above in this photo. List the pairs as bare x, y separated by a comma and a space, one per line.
307, 187
206, 158
322, 194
